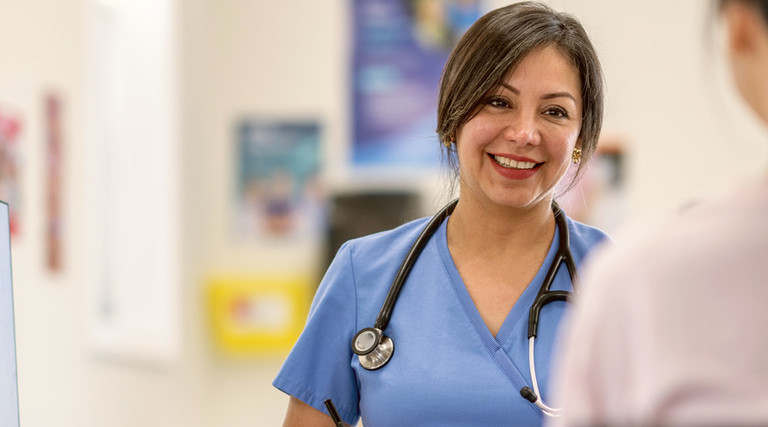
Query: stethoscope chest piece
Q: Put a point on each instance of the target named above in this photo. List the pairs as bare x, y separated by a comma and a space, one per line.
373, 348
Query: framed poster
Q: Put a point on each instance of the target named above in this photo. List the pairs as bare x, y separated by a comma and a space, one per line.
400, 47
279, 194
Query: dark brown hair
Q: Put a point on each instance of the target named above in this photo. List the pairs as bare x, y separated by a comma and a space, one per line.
494, 45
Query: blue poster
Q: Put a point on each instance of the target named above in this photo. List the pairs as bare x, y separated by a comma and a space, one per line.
279, 190
400, 47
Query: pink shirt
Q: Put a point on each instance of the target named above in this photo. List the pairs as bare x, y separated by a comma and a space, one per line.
671, 326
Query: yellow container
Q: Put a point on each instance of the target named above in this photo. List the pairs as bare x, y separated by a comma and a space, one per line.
253, 316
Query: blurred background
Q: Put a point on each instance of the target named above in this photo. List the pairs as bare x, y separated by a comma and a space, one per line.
180, 172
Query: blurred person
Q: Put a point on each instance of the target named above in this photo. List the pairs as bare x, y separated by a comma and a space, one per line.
670, 327
521, 100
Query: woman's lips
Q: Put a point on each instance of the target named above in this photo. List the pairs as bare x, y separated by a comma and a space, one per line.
514, 168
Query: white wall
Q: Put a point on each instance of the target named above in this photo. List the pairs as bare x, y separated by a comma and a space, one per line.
62, 379
668, 96
288, 58
38, 40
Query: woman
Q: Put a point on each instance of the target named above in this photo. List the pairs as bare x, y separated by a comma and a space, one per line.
520, 101
670, 328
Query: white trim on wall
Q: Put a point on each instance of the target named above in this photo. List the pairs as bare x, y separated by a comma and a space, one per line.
132, 179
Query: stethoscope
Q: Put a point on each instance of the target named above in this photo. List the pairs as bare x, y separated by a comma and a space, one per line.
374, 349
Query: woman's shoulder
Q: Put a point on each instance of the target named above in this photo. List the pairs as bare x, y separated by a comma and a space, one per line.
387, 243
584, 237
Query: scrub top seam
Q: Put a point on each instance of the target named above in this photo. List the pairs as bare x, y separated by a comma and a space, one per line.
529, 294
520, 309
354, 286
445, 256
491, 345
357, 320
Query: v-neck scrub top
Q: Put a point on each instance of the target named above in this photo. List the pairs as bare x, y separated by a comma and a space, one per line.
447, 368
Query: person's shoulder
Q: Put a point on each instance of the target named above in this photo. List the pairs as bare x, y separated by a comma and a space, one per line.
701, 223
397, 239
690, 236
584, 237
362, 261
651, 243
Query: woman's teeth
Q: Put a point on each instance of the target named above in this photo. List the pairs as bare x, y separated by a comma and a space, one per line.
512, 164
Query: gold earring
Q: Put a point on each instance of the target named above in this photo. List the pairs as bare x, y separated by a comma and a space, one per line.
450, 141
576, 156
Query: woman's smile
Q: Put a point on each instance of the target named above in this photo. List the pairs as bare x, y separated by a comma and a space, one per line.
518, 169
511, 163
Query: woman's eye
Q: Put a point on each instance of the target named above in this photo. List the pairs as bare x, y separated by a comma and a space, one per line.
557, 112
498, 102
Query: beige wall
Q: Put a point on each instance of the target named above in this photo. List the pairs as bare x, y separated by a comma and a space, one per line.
287, 58
40, 43
668, 97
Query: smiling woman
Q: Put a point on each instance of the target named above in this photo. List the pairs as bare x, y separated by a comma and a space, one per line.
520, 140
520, 100
479, 65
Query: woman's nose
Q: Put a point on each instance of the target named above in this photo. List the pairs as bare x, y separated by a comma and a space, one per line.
522, 130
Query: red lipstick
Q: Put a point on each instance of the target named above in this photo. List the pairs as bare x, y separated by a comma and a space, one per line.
512, 173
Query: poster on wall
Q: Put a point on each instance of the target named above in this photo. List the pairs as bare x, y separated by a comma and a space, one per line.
53, 184
399, 49
10, 130
279, 191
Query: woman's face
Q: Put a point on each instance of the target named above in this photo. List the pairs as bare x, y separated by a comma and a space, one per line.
518, 146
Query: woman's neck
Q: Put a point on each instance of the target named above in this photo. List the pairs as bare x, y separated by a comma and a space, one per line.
491, 229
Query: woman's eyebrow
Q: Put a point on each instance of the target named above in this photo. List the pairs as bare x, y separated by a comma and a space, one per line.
559, 95
546, 96
511, 89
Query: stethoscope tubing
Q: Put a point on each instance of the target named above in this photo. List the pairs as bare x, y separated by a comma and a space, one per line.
382, 320
374, 349
548, 410
563, 254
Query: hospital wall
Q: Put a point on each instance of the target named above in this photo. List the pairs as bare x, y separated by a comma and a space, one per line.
666, 100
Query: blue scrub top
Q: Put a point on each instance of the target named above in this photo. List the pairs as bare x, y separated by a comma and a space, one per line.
447, 368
